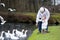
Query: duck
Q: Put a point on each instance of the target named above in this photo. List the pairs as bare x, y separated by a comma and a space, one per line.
1, 37
2, 4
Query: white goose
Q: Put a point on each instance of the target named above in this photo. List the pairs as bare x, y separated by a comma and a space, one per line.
7, 34
24, 35
2, 19
1, 37
2, 4
13, 37
18, 33
10, 9
13, 32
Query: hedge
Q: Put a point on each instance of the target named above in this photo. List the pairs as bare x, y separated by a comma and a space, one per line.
29, 18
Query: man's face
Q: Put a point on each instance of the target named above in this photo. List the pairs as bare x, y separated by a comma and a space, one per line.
42, 11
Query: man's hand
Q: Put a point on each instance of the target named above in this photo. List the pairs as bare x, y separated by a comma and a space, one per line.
43, 18
36, 24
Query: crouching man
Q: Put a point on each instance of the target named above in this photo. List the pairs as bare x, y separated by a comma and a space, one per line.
42, 19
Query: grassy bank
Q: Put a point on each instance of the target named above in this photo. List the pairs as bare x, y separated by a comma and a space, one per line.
54, 34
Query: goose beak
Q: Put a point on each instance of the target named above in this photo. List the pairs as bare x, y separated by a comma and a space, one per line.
14, 29
2, 31
22, 29
8, 31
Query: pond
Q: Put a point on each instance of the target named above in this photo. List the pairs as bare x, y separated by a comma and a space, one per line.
18, 26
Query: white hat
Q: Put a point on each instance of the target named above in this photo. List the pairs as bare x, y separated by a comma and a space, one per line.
42, 9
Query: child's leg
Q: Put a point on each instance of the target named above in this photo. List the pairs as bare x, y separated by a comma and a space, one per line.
47, 29
42, 31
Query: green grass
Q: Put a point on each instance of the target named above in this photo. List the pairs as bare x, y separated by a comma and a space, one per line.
54, 34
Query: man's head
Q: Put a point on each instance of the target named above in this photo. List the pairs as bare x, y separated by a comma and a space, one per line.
42, 9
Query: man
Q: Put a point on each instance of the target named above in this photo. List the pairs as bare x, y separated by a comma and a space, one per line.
42, 18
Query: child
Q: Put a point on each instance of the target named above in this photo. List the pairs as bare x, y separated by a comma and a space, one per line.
44, 24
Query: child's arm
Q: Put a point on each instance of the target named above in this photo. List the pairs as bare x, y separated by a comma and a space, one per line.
43, 18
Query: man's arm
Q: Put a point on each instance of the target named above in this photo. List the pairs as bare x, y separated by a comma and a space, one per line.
37, 17
47, 15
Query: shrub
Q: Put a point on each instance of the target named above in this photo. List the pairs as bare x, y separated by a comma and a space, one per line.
29, 18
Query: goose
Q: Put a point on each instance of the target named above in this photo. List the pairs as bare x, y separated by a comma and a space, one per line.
10, 36
13, 32
18, 33
3, 22
2, 4
1, 37
24, 35
10, 9
2, 19
13, 37
7, 35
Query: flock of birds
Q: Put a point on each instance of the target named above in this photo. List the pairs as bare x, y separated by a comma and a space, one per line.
15, 35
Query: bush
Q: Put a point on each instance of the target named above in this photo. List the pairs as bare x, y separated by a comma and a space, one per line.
29, 18
55, 19
23, 18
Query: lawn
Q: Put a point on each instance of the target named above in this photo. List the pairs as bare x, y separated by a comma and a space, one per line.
54, 34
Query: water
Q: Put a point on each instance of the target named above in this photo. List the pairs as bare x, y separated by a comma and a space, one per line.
19, 26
